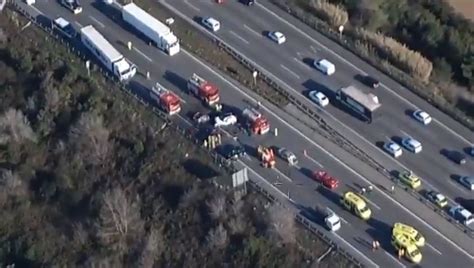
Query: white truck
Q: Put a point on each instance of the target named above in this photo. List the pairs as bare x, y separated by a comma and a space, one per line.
159, 34
115, 62
332, 221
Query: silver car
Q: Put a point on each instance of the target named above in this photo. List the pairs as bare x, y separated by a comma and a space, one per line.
468, 182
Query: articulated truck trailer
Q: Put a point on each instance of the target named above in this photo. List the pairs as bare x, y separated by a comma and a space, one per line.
159, 34
113, 60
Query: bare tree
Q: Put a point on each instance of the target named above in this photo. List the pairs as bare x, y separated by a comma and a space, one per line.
152, 249
190, 196
237, 225
217, 207
80, 234
217, 237
91, 137
283, 223
15, 128
237, 207
10, 186
119, 219
113, 261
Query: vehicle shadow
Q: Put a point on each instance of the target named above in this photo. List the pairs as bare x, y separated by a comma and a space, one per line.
465, 203
409, 112
315, 215
311, 85
330, 195
177, 80
378, 231
141, 90
265, 33
397, 139
113, 13
309, 62
198, 19
198, 168
307, 172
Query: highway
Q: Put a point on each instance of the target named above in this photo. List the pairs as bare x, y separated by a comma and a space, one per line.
244, 28
355, 235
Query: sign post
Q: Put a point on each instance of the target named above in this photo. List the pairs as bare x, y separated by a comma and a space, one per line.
341, 29
254, 74
88, 67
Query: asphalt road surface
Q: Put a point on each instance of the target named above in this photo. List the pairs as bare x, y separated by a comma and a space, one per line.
292, 182
245, 29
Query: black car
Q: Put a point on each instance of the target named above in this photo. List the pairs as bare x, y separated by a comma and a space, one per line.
247, 2
456, 157
231, 151
470, 151
371, 82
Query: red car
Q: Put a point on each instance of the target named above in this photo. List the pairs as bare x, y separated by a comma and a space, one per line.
325, 179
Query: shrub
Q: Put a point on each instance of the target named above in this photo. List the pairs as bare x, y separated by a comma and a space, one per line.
334, 14
399, 54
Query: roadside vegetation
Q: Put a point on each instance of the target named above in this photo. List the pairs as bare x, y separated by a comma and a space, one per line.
425, 39
89, 177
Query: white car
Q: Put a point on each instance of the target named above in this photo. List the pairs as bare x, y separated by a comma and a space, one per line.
72, 5
211, 24
225, 120
393, 149
278, 37
288, 156
422, 116
319, 98
412, 145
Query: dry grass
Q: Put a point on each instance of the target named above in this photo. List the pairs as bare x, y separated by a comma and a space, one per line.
399, 54
465, 7
334, 14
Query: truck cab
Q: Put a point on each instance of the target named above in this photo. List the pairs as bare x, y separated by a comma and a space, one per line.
332, 221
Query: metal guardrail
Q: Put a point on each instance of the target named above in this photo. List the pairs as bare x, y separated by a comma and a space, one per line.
219, 160
334, 136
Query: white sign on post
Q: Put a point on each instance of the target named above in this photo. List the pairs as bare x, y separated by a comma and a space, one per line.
88, 66
254, 74
341, 29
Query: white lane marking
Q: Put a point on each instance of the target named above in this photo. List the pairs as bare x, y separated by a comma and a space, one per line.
143, 54
435, 249
240, 37
252, 30
191, 5
37, 10
404, 133
283, 175
290, 71
97, 21
299, 54
358, 69
313, 49
372, 203
457, 185
314, 161
356, 250
78, 24
382, 192
395, 259
302, 63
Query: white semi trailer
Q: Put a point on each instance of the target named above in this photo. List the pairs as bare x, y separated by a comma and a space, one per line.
115, 62
160, 34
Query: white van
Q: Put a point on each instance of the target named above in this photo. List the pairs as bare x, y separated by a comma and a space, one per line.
325, 66
211, 24
30, 2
